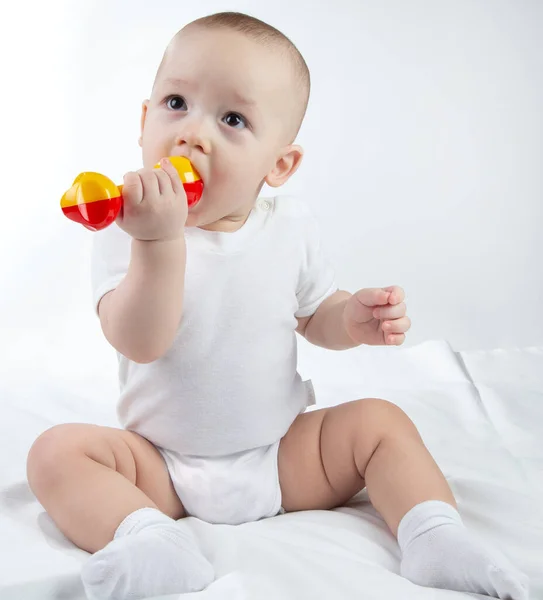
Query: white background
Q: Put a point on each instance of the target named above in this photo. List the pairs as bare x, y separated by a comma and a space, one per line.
423, 138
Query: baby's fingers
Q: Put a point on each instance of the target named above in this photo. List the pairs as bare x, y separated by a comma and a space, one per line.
372, 297
394, 339
149, 181
397, 294
164, 181
390, 312
132, 191
171, 171
397, 325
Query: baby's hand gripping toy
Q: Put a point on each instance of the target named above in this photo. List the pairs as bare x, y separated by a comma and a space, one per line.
95, 201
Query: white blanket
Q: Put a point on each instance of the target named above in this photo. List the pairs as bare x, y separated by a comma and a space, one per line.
480, 413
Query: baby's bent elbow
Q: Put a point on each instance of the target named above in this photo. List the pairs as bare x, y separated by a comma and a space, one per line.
141, 351
139, 341
145, 354
141, 359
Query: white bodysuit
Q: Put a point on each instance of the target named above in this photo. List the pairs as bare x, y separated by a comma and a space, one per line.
229, 382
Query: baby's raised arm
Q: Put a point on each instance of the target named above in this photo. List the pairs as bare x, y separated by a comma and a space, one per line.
141, 315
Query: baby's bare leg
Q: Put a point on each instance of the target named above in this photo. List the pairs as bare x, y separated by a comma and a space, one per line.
89, 478
108, 490
329, 455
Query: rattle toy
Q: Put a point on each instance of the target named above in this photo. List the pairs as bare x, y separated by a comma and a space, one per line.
95, 201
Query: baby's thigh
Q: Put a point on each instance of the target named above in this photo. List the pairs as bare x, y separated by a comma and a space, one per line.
126, 452
323, 456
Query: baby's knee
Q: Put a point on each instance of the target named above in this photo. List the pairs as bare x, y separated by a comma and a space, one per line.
386, 419
48, 454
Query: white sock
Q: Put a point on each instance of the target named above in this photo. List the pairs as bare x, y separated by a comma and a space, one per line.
439, 551
150, 555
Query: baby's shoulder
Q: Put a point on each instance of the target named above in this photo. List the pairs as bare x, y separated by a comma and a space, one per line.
288, 206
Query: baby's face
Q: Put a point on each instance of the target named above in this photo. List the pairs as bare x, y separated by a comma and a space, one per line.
226, 103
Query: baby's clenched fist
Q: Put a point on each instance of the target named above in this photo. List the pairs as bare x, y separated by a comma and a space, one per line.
154, 204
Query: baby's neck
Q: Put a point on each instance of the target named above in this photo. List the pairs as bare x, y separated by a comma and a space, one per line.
228, 224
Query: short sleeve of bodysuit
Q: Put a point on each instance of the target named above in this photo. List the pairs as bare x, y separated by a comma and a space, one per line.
317, 278
316, 281
109, 260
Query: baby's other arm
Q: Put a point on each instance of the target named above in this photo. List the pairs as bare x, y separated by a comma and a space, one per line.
323, 327
374, 316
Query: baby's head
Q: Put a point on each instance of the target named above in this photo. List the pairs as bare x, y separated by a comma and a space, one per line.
230, 94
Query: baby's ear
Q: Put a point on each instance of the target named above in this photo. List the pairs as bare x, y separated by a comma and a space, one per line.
144, 107
286, 165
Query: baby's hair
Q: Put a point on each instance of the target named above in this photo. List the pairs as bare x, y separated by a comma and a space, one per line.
264, 33
267, 35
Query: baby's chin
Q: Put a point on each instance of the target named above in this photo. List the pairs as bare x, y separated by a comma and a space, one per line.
193, 219
213, 222
212, 213
199, 217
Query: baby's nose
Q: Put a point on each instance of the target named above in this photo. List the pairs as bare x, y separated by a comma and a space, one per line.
194, 138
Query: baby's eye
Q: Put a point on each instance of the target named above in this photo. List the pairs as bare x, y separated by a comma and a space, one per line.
176, 103
234, 120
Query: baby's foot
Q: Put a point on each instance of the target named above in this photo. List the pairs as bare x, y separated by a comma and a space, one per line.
157, 560
438, 551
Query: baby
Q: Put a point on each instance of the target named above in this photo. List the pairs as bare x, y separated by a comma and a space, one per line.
203, 306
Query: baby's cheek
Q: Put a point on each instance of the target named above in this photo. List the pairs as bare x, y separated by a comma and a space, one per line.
231, 173
151, 154
240, 170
